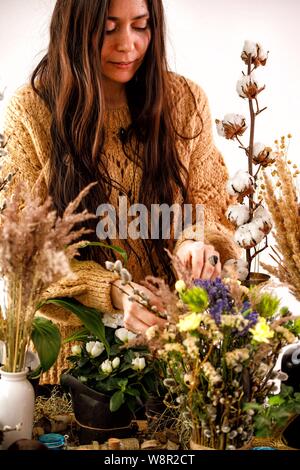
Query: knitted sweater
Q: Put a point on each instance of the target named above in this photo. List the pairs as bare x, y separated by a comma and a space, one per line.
27, 127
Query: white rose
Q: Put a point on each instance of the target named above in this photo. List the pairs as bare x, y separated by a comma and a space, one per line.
115, 363
106, 366
94, 348
124, 335
138, 363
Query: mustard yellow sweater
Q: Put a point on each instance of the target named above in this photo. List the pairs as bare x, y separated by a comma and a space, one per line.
27, 127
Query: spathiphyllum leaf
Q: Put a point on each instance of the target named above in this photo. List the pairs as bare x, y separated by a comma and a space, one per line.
117, 249
47, 341
90, 317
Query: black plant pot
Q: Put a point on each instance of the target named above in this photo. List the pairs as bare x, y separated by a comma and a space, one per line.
92, 413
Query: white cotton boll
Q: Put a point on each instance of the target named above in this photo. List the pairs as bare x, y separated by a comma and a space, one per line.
257, 234
262, 54
246, 83
240, 267
263, 225
236, 119
243, 237
262, 213
239, 182
238, 214
250, 47
258, 147
248, 235
240, 86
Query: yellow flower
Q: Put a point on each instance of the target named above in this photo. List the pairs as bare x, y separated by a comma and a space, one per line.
261, 332
189, 322
180, 286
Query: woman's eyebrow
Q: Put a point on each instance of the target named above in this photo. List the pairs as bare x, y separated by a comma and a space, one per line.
139, 17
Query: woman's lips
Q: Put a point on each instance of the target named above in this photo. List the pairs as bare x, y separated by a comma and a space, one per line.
122, 65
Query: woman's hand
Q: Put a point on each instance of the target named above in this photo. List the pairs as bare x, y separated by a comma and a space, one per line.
203, 260
136, 317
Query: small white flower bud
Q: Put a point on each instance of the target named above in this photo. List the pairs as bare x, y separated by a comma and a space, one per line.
118, 266
180, 286
125, 276
109, 265
106, 367
138, 363
115, 363
76, 350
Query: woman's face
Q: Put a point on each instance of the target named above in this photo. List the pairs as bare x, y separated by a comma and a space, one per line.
126, 40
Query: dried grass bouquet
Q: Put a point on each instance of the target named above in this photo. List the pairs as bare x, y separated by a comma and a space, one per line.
35, 251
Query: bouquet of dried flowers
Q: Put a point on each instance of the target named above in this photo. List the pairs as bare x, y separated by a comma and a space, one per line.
219, 346
35, 251
250, 218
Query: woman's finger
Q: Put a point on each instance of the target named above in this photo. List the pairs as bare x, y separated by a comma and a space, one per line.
217, 271
138, 318
197, 262
211, 260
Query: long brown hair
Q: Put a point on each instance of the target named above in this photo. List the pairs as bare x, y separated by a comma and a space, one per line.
68, 80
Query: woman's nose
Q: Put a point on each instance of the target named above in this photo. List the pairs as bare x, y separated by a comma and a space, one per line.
125, 41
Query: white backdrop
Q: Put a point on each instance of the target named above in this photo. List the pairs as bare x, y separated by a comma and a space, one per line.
205, 39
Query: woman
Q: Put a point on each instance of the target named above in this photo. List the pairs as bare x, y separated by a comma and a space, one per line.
102, 107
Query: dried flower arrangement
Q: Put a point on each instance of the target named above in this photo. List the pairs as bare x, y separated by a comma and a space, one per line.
219, 347
251, 219
35, 251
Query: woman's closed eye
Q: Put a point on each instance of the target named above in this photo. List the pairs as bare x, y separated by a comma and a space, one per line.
142, 26
112, 27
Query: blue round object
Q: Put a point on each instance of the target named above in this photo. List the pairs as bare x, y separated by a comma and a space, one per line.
52, 440
263, 448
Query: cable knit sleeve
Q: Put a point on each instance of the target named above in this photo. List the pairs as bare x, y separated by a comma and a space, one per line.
207, 180
27, 129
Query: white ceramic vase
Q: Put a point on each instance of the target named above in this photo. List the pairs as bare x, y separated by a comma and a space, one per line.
16, 406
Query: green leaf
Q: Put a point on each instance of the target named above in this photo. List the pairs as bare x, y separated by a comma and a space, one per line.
80, 335
47, 341
116, 401
90, 317
133, 392
109, 247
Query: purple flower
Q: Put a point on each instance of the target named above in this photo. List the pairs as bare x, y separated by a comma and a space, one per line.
250, 315
220, 300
